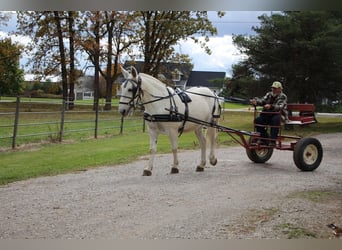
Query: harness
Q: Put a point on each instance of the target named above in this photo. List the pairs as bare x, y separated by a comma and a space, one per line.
173, 115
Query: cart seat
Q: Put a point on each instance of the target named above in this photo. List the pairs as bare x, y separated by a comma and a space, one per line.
300, 114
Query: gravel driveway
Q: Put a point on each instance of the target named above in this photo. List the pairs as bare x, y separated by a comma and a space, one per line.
236, 199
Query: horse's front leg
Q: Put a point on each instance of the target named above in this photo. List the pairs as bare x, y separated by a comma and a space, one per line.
173, 135
153, 150
211, 137
202, 142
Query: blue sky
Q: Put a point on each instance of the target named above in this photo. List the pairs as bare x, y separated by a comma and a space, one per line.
224, 53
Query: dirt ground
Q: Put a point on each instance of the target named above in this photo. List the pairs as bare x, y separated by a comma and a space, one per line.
236, 199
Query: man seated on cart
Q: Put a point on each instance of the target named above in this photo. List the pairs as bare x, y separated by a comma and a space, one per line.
273, 102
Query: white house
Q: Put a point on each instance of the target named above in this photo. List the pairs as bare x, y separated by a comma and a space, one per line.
84, 88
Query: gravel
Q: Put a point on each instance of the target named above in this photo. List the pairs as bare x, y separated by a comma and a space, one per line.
236, 199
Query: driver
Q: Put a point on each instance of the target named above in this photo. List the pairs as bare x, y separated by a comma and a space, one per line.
273, 101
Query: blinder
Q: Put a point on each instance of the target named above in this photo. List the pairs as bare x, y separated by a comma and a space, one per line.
136, 91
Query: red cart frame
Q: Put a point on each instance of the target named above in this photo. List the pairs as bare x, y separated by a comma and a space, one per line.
307, 151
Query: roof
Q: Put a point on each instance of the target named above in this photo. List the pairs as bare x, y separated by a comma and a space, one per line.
204, 78
166, 69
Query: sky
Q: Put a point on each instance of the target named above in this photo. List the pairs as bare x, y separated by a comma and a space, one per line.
224, 53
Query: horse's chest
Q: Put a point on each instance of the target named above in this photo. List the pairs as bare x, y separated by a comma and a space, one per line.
162, 127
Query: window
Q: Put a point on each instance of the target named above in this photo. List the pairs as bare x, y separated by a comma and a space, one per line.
176, 75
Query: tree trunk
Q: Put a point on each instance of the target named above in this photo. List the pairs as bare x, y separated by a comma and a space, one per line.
62, 54
72, 76
109, 78
97, 65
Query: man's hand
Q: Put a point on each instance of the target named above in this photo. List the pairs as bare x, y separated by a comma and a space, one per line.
268, 106
253, 102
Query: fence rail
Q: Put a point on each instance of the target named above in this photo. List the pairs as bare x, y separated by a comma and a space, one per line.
30, 120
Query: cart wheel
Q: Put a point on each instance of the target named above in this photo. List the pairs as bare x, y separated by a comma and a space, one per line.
259, 155
308, 154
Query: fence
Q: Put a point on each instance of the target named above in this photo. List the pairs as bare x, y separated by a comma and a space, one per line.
31, 121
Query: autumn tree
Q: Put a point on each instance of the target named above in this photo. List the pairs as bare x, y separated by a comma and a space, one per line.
50, 54
160, 31
11, 76
120, 36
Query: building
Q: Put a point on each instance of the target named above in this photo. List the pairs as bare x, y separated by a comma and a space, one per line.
181, 76
84, 89
211, 79
174, 74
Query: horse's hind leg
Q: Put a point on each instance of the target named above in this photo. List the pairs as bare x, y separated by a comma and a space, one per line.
202, 142
211, 137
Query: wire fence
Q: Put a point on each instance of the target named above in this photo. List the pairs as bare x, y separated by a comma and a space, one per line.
27, 121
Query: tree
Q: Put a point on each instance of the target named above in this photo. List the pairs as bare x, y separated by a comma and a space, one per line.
301, 49
91, 44
160, 31
59, 33
105, 35
11, 76
73, 71
50, 53
120, 36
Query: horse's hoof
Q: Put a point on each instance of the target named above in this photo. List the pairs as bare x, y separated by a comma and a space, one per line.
147, 173
174, 171
199, 169
213, 162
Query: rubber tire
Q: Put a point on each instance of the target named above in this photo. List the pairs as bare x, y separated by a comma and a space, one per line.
259, 156
308, 154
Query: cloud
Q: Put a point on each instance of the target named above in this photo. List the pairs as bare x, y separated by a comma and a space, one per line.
23, 40
223, 55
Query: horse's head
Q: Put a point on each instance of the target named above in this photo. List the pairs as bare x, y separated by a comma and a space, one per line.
130, 91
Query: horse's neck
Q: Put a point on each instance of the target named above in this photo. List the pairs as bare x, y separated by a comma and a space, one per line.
154, 89
153, 86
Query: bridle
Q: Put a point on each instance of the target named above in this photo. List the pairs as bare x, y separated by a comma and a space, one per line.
136, 93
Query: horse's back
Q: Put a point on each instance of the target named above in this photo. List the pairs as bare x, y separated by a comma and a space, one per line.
203, 104
201, 90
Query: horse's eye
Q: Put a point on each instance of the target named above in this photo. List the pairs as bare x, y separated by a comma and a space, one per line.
129, 90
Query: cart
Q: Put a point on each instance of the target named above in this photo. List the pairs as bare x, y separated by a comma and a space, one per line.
307, 151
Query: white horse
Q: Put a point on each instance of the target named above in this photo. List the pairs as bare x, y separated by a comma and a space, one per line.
166, 111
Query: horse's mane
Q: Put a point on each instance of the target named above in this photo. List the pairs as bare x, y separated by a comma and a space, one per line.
148, 80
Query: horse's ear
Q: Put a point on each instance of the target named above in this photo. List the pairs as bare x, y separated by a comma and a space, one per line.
124, 72
134, 72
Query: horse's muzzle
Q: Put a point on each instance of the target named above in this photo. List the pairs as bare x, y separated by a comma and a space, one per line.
125, 111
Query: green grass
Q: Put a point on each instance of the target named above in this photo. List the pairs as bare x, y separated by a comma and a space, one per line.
52, 159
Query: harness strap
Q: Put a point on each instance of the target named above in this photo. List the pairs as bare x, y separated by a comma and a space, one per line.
173, 113
214, 108
185, 118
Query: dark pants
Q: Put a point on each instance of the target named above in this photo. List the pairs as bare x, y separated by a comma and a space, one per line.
268, 119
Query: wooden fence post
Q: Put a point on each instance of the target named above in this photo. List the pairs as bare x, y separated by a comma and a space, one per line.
62, 121
96, 118
16, 121
121, 124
